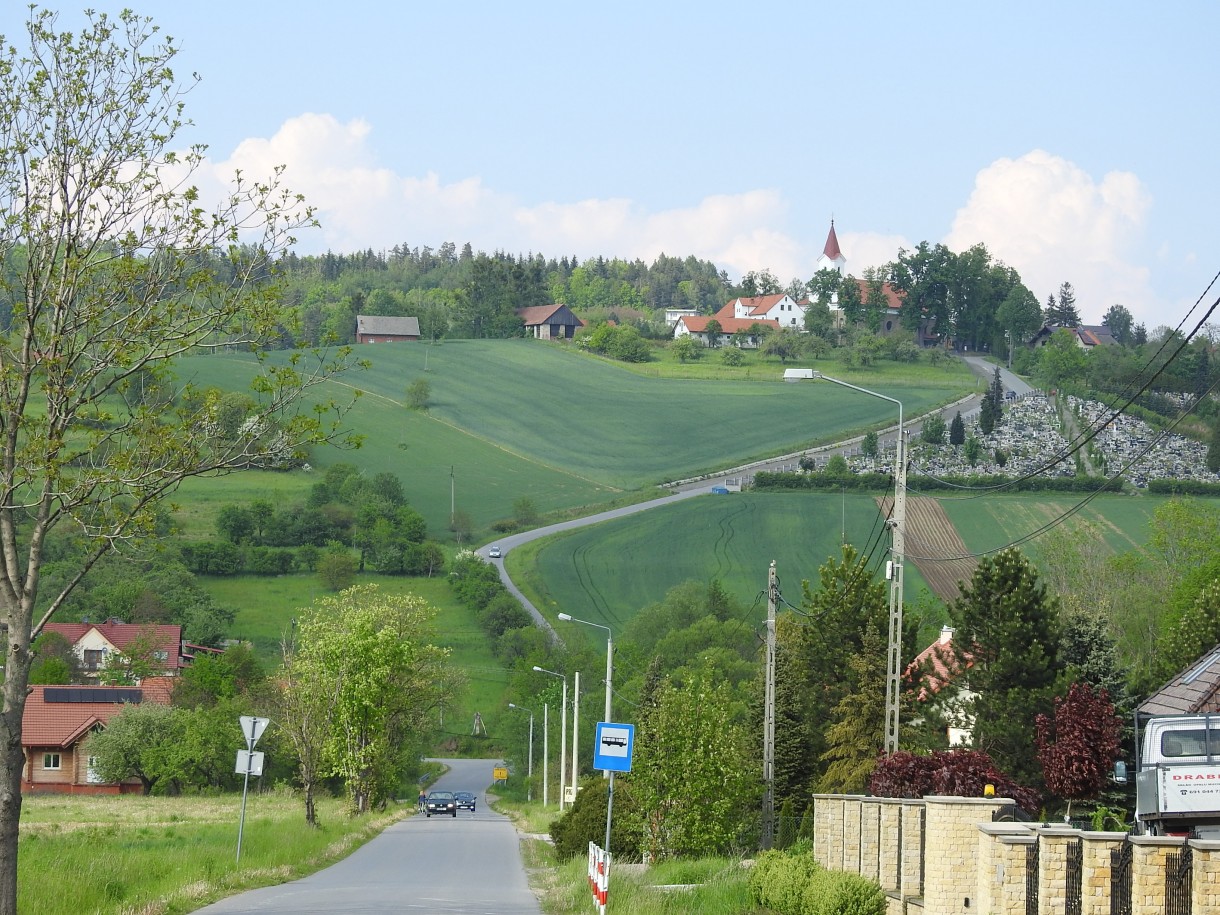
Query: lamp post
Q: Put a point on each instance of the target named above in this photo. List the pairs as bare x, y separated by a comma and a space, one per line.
563, 728
529, 768
897, 524
609, 662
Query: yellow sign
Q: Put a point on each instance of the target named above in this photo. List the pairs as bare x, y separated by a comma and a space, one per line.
500, 774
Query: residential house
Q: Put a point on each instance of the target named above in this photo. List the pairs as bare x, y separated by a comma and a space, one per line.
385, 329
780, 308
745, 329
1194, 691
58, 720
673, 314
938, 665
96, 643
1087, 335
550, 322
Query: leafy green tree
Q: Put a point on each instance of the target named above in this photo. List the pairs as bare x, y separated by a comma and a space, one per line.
1007, 638
373, 653
686, 349
235, 523
525, 511
1019, 317
55, 663
337, 568
869, 444
732, 356
933, 431
1120, 321
102, 248
418, 392
713, 331
137, 743
784, 343
701, 746
211, 678
972, 451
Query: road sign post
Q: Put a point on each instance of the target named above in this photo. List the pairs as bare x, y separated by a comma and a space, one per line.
248, 763
611, 753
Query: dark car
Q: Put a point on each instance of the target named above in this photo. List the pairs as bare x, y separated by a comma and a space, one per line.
441, 802
465, 800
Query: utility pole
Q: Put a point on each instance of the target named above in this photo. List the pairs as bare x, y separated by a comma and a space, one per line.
898, 523
575, 718
768, 824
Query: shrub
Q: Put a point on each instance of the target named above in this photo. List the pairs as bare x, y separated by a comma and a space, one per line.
585, 822
778, 880
841, 893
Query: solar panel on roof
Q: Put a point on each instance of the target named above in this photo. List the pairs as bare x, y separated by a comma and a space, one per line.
83, 694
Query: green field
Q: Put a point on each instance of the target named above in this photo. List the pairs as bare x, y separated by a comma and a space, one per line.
514, 418
265, 608
609, 572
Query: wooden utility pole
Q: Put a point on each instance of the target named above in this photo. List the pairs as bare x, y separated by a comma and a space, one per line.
768, 823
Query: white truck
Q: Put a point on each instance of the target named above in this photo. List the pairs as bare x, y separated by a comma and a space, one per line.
1177, 781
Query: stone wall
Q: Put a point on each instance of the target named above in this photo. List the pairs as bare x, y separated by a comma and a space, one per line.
945, 855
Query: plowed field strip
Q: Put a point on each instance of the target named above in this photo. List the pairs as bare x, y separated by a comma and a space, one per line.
932, 543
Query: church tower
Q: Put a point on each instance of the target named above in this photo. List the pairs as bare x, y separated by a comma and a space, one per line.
832, 258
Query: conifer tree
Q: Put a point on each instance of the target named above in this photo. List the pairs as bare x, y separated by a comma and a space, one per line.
1007, 638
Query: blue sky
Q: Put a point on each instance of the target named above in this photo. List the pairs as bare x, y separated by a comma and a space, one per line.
1077, 141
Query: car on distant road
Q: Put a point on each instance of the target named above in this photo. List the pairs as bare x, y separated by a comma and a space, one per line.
720, 490
494, 552
441, 802
465, 800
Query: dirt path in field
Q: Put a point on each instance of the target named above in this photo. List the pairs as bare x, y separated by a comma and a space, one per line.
933, 545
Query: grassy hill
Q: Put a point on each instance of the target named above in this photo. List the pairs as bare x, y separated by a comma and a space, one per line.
514, 418
609, 572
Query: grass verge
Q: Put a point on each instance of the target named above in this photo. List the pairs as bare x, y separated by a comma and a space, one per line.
168, 856
710, 886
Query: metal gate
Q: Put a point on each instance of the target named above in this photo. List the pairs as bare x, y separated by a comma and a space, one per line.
1031, 878
1120, 879
1074, 903
1178, 869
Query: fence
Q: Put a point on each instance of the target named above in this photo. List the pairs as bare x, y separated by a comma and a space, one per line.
945, 856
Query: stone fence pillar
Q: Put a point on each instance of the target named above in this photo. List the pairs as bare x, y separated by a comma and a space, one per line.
910, 864
870, 839
950, 878
890, 842
1148, 859
1205, 879
1098, 873
1010, 874
992, 860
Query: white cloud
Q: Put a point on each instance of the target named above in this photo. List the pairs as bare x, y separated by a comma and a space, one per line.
1052, 222
361, 205
1041, 214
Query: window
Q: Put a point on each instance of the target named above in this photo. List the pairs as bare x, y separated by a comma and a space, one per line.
91, 775
50, 761
94, 658
160, 655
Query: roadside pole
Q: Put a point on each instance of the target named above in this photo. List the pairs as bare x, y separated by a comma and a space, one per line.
611, 753
248, 763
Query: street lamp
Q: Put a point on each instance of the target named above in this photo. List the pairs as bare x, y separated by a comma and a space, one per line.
609, 668
897, 525
563, 728
529, 769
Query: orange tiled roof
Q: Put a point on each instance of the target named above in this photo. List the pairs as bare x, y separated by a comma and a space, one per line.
757, 305
61, 724
164, 637
697, 324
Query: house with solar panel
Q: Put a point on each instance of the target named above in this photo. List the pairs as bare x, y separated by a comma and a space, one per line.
58, 720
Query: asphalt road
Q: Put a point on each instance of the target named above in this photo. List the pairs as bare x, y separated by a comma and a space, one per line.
464, 865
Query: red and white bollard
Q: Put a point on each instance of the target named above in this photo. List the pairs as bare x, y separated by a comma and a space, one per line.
599, 876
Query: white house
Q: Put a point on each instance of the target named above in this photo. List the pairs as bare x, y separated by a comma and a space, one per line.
733, 331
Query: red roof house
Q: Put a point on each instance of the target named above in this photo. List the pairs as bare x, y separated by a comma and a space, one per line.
94, 643
58, 719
